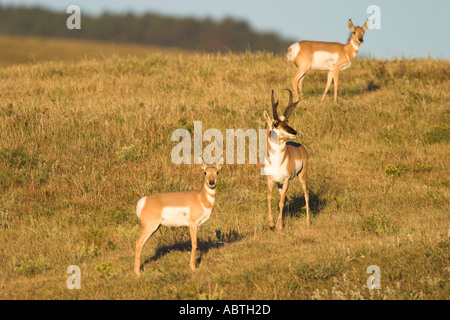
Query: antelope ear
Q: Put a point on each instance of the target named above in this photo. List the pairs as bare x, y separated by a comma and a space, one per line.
204, 166
350, 25
267, 118
366, 25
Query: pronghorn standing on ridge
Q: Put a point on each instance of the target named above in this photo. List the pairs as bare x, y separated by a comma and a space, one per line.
330, 56
176, 209
285, 159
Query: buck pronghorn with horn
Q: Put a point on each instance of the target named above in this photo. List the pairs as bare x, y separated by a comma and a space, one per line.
330, 56
285, 159
177, 209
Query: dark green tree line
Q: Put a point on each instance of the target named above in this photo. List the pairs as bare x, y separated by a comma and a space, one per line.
149, 29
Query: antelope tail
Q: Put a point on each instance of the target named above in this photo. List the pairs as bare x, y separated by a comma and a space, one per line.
293, 51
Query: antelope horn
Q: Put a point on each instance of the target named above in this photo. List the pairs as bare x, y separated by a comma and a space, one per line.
291, 105
274, 108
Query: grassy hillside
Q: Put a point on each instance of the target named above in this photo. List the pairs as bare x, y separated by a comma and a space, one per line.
81, 140
19, 50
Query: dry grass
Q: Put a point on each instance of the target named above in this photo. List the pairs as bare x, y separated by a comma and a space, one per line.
81, 140
20, 50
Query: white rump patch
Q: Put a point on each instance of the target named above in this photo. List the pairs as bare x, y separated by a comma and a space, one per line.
140, 205
298, 168
323, 60
293, 51
175, 216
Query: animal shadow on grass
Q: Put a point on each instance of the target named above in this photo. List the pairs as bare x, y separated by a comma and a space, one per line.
202, 246
295, 205
371, 87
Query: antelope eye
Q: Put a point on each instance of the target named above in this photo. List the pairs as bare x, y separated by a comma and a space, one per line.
275, 124
204, 173
217, 173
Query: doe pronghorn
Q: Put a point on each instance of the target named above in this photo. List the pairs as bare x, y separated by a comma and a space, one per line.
330, 56
176, 209
285, 159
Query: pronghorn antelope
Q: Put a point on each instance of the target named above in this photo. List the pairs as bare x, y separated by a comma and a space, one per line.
285, 159
330, 56
176, 209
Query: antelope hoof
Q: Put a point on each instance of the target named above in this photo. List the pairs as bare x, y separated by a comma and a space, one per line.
279, 226
137, 273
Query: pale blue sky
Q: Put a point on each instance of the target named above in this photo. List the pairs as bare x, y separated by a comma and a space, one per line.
409, 28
